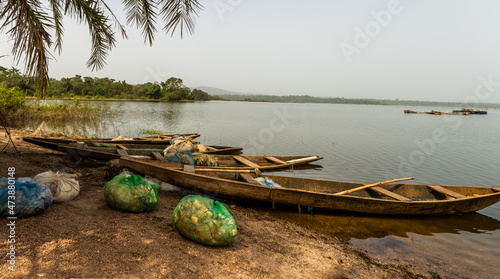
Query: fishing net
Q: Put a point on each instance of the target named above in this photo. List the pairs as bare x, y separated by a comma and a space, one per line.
130, 192
64, 186
204, 220
174, 138
201, 159
180, 157
30, 198
181, 143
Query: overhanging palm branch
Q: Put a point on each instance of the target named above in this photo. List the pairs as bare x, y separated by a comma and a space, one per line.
32, 24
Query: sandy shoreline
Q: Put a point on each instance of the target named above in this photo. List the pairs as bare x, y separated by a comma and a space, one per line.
87, 238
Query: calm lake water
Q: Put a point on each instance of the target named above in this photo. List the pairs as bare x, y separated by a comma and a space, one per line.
360, 144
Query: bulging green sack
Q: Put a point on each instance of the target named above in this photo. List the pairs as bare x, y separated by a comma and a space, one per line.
204, 220
130, 192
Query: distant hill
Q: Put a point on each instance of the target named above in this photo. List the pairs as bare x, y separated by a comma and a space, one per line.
216, 91
236, 96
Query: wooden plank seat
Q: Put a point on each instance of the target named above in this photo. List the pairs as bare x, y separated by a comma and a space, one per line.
209, 148
445, 191
248, 178
390, 194
189, 168
122, 146
246, 162
158, 156
122, 152
275, 160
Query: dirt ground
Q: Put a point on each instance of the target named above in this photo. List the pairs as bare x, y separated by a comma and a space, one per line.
86, 238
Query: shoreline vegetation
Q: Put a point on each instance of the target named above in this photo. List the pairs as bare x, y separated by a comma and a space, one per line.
16, 89
15, 107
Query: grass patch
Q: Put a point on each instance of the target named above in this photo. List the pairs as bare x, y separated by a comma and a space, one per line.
150, 132
68, 110
137, 256
14, 105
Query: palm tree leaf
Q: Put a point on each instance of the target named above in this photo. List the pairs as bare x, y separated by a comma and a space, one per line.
118, 25
180, 13
101, 32
142, 14
27, 26
57, 15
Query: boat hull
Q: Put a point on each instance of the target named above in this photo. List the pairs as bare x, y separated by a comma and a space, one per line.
160, 140
143, 149
320, 193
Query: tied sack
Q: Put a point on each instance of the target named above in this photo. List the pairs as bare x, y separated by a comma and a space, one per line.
64, 186
205, 221
130, 192
30, 198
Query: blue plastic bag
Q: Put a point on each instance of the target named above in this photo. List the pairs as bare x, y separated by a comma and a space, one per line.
264, 181
31, 198
181, 157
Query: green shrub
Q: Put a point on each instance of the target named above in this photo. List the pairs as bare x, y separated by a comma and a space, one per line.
11, 100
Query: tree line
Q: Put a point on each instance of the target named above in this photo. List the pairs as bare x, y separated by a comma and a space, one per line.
342, 100
172, 89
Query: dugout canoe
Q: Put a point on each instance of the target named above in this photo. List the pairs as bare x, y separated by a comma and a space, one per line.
228, 163
76, 152
388, 199
114, 148
160, 139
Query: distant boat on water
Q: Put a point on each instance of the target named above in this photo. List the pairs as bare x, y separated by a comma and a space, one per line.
463, 111
470, 111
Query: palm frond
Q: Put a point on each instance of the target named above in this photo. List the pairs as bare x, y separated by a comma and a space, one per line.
101, 32
142, 14
180, 12
26, 24
118, 25
57, 15
29, 25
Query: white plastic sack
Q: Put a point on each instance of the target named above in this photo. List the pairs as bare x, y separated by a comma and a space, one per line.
64, 186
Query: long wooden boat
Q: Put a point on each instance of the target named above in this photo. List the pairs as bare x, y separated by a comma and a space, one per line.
54, 143
160, 139
388, 199
229, 163
462, 111
108, 151
470, 111
76, 152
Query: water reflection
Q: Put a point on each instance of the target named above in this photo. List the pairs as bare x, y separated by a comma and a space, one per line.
364, 227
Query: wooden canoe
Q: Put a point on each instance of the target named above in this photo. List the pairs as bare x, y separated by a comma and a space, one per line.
143, 149
389, 199
160, 139
76, 152
230, 163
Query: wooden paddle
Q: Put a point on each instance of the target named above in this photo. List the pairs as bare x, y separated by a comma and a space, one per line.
373, 185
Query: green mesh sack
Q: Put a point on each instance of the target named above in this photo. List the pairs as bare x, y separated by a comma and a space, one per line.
130, 192
204, 220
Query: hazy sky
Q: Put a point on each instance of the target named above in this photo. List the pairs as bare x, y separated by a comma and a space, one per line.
435, 50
